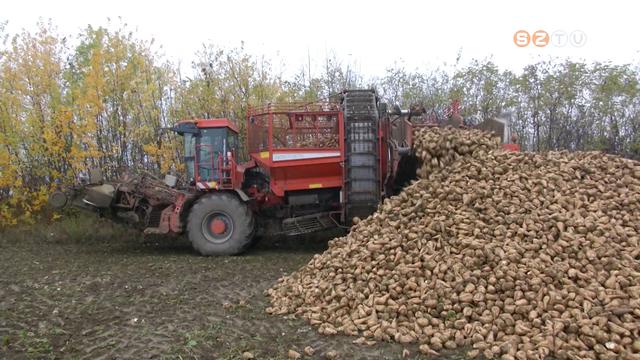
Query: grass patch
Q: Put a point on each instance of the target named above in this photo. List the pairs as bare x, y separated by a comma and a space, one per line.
5, 341
72, 228
35, 347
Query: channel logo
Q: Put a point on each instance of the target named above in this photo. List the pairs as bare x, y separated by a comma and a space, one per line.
541, 38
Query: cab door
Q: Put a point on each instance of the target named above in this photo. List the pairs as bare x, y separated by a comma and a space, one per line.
209, 151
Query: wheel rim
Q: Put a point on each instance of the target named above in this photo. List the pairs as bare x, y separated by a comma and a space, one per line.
217, 227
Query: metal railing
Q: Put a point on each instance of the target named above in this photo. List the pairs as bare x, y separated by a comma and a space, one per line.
279, 108
221, 167
293, 126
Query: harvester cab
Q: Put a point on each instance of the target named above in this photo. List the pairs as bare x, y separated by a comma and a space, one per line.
210, 152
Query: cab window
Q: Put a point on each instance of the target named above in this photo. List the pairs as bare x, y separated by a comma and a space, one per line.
212, 143
189, 154
232, 144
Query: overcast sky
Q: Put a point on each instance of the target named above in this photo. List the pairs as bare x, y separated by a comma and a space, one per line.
368, 35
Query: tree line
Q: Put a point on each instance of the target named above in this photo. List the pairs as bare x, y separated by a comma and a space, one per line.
104, 97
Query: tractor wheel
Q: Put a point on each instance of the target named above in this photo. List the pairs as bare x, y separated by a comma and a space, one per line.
220, 224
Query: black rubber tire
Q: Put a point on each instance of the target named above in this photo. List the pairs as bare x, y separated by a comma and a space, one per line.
239, 213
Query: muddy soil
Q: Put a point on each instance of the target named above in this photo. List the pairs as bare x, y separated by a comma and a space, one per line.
84, 288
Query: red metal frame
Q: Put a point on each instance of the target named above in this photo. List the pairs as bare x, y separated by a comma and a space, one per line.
227, 171
227, 176
174, 222
170, 217
295, 106
312, 121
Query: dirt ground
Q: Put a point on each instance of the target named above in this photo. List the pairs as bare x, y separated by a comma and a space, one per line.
84, 288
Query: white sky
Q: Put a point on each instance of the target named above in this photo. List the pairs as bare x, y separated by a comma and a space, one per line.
368, 35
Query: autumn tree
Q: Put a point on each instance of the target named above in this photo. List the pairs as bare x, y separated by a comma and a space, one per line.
36, 123
125, 96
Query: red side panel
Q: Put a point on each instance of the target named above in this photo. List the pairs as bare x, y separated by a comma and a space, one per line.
305, 177
511, 147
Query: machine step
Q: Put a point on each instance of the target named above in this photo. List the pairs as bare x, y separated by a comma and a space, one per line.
307, 224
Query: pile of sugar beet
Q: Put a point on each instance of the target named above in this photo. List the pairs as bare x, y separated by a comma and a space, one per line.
510, 255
